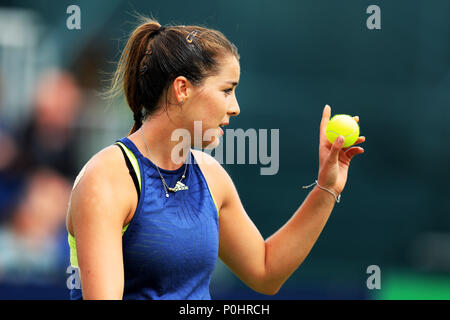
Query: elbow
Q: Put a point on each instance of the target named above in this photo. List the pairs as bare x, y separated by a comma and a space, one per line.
264, 281
269, 288
269, 291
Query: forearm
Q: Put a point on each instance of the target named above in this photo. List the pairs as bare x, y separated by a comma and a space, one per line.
286, 249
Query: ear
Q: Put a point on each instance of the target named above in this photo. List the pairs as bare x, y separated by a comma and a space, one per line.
181, 88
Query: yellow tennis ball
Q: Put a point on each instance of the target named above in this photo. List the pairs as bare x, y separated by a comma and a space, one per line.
343, 125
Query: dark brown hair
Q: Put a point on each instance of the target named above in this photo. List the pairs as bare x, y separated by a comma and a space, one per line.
154, 56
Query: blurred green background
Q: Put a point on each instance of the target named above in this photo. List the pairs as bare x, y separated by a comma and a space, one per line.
296, 56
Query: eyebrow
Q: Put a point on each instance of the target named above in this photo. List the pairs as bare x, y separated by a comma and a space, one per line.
234, 83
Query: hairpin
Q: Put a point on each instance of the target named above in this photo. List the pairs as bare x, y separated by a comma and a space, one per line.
190, 36
143, 70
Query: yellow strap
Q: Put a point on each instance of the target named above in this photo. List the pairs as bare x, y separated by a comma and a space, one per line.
214, 200
73, 247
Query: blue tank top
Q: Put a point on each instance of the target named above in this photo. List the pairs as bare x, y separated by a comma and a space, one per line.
170, 247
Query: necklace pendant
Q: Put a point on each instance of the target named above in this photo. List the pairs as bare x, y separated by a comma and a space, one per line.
178, 187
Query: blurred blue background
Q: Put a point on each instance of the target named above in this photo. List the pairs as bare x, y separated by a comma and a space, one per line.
296, 56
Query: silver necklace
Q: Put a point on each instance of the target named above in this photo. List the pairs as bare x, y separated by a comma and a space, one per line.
179, 185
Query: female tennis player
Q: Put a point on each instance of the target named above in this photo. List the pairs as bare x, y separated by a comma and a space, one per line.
144, 226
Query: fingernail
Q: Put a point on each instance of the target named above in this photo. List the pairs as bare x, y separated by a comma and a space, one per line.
340, 139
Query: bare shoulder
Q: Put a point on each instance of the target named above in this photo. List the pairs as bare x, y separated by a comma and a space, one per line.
209, 165
105, 167
216, 176
103, 187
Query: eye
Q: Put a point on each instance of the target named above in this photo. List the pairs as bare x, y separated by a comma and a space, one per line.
228, 91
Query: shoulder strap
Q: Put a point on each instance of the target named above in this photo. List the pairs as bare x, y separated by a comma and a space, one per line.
131, 169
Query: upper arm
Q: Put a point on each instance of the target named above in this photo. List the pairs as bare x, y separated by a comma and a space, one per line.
241, 246
98, 208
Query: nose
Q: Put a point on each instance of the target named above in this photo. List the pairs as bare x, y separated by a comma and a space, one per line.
234, 109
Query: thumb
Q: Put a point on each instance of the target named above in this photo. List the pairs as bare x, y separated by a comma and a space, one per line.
335, 148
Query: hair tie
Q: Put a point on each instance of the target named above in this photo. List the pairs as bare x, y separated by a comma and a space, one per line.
138, 117
157, 31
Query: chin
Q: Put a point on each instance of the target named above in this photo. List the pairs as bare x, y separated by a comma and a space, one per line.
211, 144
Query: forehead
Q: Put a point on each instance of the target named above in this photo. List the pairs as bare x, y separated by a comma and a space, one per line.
230, 69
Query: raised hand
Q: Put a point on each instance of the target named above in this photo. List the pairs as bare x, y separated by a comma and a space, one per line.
334, 160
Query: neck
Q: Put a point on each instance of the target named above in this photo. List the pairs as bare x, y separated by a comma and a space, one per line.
157, 132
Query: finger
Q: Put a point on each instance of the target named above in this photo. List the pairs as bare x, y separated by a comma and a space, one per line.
356, 118
350, 153
335, 149
324, 122
358, 141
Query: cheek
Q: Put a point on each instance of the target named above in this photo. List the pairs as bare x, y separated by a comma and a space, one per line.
214, 108
220, 105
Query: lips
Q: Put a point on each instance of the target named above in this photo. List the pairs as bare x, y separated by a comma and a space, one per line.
222, 125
